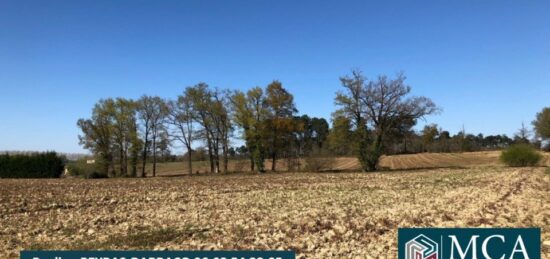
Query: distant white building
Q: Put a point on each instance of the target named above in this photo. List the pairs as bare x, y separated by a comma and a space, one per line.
90, 161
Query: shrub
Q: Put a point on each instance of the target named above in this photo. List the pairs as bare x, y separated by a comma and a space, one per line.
520, 155
293, 163
33, 165
82, 169
319, 163
240, 165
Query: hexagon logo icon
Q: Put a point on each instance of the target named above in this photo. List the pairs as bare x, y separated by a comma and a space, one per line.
421, 247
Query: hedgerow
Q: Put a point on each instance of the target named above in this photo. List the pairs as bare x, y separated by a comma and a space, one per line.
34, 165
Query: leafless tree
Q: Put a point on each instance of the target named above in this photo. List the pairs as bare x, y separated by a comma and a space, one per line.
152, 112
381, 106
181, 116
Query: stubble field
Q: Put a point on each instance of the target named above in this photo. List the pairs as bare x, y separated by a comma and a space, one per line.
394, 162
330, 215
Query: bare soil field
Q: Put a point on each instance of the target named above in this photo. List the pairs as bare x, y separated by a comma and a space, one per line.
330, 215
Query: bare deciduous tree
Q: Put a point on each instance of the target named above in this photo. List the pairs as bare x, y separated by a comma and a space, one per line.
152, 111
380, 106
181, 117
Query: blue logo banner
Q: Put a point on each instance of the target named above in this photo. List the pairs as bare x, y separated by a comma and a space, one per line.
461, 243
158, 255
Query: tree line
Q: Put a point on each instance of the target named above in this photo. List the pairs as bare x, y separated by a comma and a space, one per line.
373, 117
31, 165
123, 132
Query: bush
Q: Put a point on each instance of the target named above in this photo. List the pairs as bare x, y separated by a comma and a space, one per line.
88, 171
240, 165
520, 155
319, 163
293, 163
34, 165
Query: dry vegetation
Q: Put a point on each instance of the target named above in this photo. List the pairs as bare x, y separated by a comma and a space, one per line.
317, 215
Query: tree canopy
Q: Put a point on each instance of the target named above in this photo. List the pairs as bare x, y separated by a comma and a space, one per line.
379, 108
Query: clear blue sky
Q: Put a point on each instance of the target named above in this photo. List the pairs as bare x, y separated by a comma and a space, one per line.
486, 63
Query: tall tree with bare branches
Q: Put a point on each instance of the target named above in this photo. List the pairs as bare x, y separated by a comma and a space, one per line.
152, 111
182, 116
200, 97
219, 113
381, 106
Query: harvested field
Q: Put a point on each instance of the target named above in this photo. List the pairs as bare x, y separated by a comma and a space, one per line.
434, 160
318, 215
395, 162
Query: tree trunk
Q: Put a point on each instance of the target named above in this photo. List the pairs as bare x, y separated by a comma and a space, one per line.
225, 158
405, 145
217, 157
189, 160
107, 161
366, 154
210, 155
154, 154
145, 149
216, 154
144, 162
134, 165
273, 161
258, 159
133, 161
111, 172
125, 160
374, 154
250, 153
121, 161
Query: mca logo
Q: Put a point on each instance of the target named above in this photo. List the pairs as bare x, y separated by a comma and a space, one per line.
468, 243
421, 247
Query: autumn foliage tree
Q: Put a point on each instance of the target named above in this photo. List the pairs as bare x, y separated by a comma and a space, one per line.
250, 113
429, 134
341, 138
280, 123
267, 122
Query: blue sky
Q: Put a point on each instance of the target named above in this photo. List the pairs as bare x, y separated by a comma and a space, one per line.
486, 63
